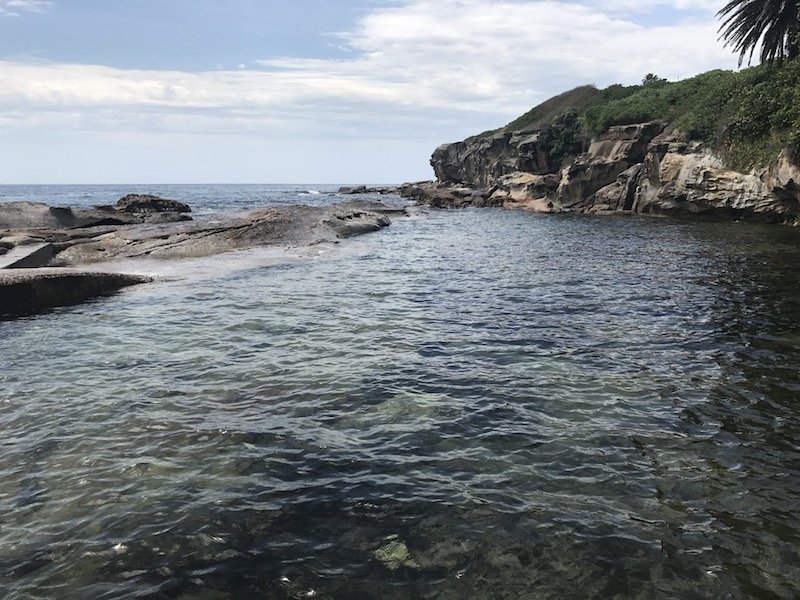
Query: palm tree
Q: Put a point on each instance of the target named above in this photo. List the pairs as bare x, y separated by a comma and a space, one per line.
772, 23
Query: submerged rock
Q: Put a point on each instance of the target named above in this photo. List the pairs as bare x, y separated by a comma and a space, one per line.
394, 554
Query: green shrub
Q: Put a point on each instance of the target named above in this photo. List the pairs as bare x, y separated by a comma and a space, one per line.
562, 138
748, 115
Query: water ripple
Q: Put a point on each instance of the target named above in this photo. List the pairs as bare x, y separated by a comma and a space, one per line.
479, 404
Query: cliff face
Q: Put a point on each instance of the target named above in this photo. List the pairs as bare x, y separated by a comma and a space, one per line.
628, 169
481, 162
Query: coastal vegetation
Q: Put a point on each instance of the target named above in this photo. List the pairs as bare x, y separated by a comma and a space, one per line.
659, 147
747, 117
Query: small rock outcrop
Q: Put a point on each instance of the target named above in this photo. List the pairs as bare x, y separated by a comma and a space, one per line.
27, 291
363, 189
146, 203
129, 210
447, 195
37, 215
639, 168
480, 162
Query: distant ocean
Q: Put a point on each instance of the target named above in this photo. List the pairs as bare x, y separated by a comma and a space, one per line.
204, 199
474, 404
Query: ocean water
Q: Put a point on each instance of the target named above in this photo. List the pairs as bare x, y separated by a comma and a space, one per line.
205, 200
471, 404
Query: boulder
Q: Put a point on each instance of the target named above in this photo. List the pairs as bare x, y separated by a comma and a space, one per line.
146, 203
527, 191
448, 195
363, 189
349, 223
360, 189
479, 162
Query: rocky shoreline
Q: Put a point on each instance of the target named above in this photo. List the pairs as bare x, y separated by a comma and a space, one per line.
641, 168
45, 250
633, 169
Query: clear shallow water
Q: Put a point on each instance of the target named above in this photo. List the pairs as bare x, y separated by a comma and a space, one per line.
480, 404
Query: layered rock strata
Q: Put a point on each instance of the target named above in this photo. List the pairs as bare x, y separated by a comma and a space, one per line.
74, 238
28, 291
285, 225
130, 210
637, 168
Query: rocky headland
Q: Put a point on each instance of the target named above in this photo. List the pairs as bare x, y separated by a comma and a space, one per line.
638, 168
66, 242
709, 148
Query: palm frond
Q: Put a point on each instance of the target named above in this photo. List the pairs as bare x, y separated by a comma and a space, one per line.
771, 24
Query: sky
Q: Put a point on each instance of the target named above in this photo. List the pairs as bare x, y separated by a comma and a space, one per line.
307, 91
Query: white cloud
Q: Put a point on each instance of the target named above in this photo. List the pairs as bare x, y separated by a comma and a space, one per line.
472, 55
419, 69
13, 8
641, 6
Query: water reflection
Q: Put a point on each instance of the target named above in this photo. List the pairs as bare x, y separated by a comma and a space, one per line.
752, 465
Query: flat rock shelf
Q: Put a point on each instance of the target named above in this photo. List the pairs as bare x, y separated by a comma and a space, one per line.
26, 291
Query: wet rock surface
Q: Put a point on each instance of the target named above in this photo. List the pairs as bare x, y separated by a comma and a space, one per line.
148, 226
27, 291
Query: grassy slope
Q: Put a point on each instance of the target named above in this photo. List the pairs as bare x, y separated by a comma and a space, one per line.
748, 116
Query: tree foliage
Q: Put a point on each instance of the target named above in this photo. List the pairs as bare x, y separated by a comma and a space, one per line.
563, 137
652, 79
772, 24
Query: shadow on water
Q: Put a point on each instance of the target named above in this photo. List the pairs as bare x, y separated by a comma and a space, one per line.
749, 452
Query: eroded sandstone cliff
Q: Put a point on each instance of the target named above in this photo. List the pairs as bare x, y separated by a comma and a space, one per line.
641, 168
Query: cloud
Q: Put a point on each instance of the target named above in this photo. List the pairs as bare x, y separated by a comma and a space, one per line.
461, 55
13, 8
643, 6
416, 70
490, 50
